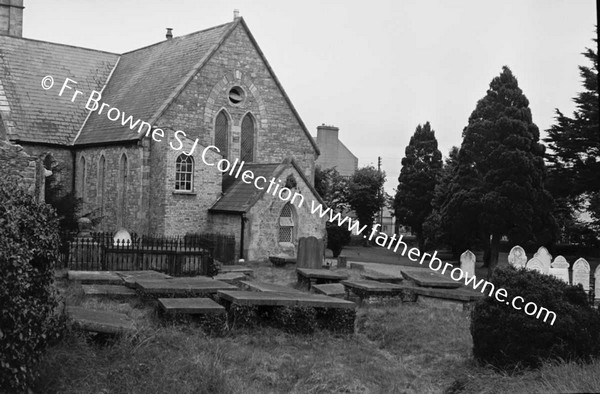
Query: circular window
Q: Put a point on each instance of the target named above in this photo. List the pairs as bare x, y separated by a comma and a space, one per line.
236, 95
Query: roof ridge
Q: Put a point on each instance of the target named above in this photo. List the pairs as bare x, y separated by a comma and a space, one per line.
178, 37
62, 45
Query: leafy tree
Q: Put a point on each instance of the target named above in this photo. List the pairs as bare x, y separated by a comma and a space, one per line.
416, 183
365, 195
333, 189
498, 187
575, 146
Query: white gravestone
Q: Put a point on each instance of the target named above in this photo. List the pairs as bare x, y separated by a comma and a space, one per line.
467, 263
545, 257
581, 273
597, 283
122, 238
517, 257
560, 269
535, 265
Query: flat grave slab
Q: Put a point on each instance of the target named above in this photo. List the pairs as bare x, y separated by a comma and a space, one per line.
463, 294
283, 299
237, 268
373, 286
130, 277
231, 277
379, 277
95, 277
426, 278
108, 290
330, 289
256, 285
188, 286
190, 305
315, 273
104, 322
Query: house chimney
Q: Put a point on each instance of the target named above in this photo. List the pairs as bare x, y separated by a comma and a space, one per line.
11, 18
236, 14
169, 33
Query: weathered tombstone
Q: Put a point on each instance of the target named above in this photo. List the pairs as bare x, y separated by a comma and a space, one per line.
597, 282
310, 253
467, 263
560, 269
581, 273
517, 257
122, 238
545, 257
535, 264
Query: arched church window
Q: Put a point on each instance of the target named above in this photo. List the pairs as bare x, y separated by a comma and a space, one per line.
286, 224
123, 177
247, 143
222, 133
82, 180
184, 172
101, 183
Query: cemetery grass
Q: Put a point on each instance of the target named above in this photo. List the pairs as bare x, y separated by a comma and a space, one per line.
396, 349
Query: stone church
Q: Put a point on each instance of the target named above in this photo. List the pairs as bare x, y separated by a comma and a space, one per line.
215, 85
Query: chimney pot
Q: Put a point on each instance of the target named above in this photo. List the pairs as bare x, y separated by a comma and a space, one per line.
236, 14
169, 33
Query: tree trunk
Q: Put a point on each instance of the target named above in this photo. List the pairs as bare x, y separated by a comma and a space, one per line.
494, 251
486, 255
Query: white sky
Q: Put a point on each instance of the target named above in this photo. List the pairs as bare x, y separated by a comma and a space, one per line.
373, 68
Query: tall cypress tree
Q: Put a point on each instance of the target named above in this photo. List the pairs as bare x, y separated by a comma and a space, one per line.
416, 183
498, 187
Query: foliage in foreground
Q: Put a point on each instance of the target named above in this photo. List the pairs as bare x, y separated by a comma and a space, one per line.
508, 338
28, 242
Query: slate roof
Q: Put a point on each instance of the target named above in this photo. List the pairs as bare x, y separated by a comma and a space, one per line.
30, 113
240, 197
147, 79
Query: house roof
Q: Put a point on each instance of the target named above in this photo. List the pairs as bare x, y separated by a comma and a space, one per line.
240, 197
30, 113
146, 80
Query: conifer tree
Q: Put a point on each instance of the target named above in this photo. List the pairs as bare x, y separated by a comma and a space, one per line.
416, 183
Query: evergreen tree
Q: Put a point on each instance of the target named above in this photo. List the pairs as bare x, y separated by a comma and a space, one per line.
365, 195
420, 168
575, 145
498, 186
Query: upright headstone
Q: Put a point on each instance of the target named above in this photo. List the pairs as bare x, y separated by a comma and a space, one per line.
560, 269
467, 263
545, 257
517, 257
535, 265
310, 253
597, 283
122, 238
581, 273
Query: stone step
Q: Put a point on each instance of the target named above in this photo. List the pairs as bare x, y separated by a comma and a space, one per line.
99, 321
108, 290
95, 277
194, 306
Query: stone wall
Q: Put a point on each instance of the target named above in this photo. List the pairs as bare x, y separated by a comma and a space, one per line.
14, 161
61, 159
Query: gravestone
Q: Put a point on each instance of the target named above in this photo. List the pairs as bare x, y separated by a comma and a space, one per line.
310, 253
597, 283
536, 265
467, 263
545, 257
517, 257
581, 273
560, 269
122, 238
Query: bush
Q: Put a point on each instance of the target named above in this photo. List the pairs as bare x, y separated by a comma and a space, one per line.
508, 338
28, 250
337, 238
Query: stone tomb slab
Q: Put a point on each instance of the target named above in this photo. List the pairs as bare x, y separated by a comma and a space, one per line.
430, 279
284, 299
373, 286
193, 306
237, 268
316, 273
104, 322
131, 277
95, 277
181, 286
379, 277
108, 291
463, 294
255, 285
330, 289
231, 277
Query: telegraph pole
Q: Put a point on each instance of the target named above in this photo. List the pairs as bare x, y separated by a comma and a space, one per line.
380, 194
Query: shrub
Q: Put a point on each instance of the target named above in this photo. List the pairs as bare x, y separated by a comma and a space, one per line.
337, 238
508, 338
28, 250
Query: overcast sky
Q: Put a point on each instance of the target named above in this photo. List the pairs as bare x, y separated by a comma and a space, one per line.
374, 68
